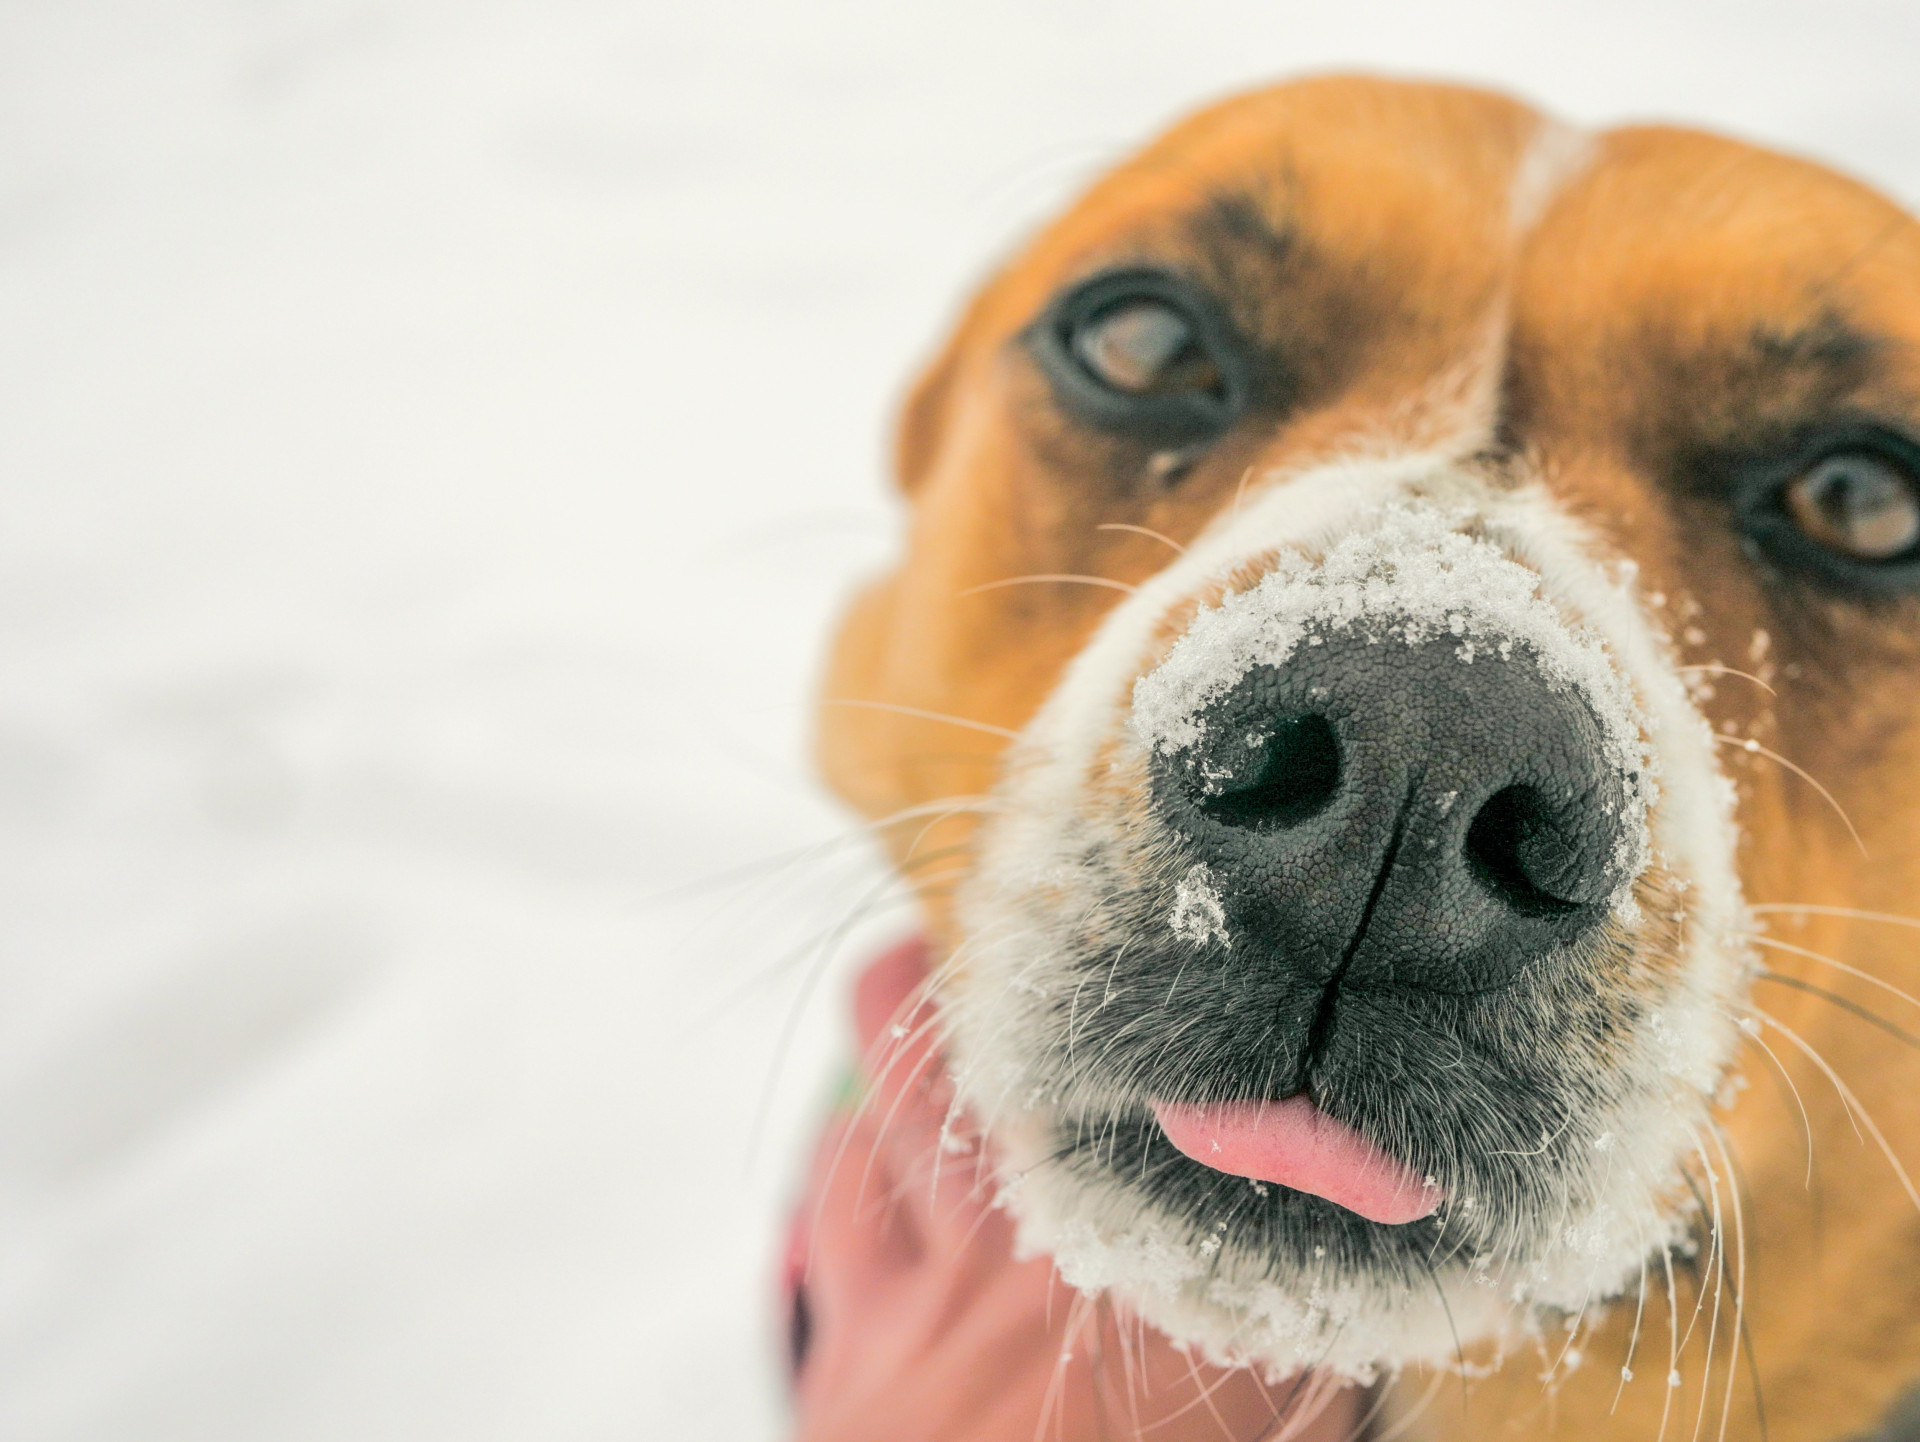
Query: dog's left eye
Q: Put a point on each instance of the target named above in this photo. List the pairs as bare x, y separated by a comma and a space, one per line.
1145, 355
1842, 508
1857, 504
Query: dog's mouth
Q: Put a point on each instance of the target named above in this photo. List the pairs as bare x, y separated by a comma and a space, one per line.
1349, 957
1294, 1144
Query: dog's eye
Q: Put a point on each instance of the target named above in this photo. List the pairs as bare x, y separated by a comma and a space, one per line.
1141, 346
1145, 355
1857, 504
1842, 508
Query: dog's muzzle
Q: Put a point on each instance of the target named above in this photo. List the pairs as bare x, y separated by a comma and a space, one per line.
1362, 897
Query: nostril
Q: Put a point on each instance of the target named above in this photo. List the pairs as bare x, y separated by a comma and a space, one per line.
1521, 853
1292, 773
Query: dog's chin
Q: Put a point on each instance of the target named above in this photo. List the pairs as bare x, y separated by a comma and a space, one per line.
1243, 1272
1249, 1273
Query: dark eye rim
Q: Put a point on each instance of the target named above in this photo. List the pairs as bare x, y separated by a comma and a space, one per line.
1761, 500
1176, 419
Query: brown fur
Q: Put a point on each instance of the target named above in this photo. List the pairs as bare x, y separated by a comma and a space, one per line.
1680, 297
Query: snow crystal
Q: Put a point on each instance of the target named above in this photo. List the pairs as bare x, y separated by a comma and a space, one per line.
1198, 914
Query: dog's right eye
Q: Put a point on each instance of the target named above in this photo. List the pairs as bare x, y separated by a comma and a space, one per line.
1145, 355
1140, 347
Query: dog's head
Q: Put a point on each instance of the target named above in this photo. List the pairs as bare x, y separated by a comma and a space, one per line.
1371, 563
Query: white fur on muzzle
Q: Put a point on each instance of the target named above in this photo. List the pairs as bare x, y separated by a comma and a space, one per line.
1407, 549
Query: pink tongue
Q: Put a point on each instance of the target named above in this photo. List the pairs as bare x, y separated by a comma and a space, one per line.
1297, 1145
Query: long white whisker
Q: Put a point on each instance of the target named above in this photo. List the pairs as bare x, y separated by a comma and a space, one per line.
1719, 1290
915, 711
1739, 1274
1143, 531
946, 815
1633, 1342
1814, 909
1406, 1423
1852, 1103
782, 862
1717, 1264
1865, 976
1241, 490
1806, 1123
823, 958
1700, 1302
1051, 577
1057, 1384
1754, 748
1715, 668
1673, 1343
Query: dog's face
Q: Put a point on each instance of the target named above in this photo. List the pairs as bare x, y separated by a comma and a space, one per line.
1401, 535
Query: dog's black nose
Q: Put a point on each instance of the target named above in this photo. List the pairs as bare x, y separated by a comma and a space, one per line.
1429, 814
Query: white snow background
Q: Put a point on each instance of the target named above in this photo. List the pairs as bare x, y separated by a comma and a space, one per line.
434, 439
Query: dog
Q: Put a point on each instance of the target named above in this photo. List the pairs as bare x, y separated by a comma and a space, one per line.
1401, 708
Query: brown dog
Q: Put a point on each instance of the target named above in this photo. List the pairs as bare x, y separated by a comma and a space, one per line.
1400, 703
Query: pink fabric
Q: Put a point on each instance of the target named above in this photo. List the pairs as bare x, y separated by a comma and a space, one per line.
915, 1320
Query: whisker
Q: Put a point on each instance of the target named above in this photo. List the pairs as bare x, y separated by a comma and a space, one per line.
928, 1062
1049, 578
1273, 1407
1806, 1125
947, 815
1673, 1343
766, 975
1207, 1391
1737, 1283
913, 1000
1057, 1384
1459, 1352
1845, 1004
1737, 1181
1407, 1423
1381, 1393
780, 861
1203, 1396
1754, 748
1315, 1403
1097, 1360
983, 726
1709, 1210
1851, 1102
823, 958
1865, 976
1639, 1310
1110, 1318
1716, 669
1812, 909
1573, 1334
1143, 531
1241, 490
1284, 1415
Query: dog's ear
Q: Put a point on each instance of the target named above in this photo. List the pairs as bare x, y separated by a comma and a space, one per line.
923, 417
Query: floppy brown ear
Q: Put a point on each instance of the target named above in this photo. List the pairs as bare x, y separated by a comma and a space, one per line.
923, 418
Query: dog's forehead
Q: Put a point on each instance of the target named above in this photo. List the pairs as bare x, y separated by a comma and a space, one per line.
1419, 180
1442, 201
1755, 289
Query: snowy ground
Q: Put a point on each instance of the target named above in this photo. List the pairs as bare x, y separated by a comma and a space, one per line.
434, 437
